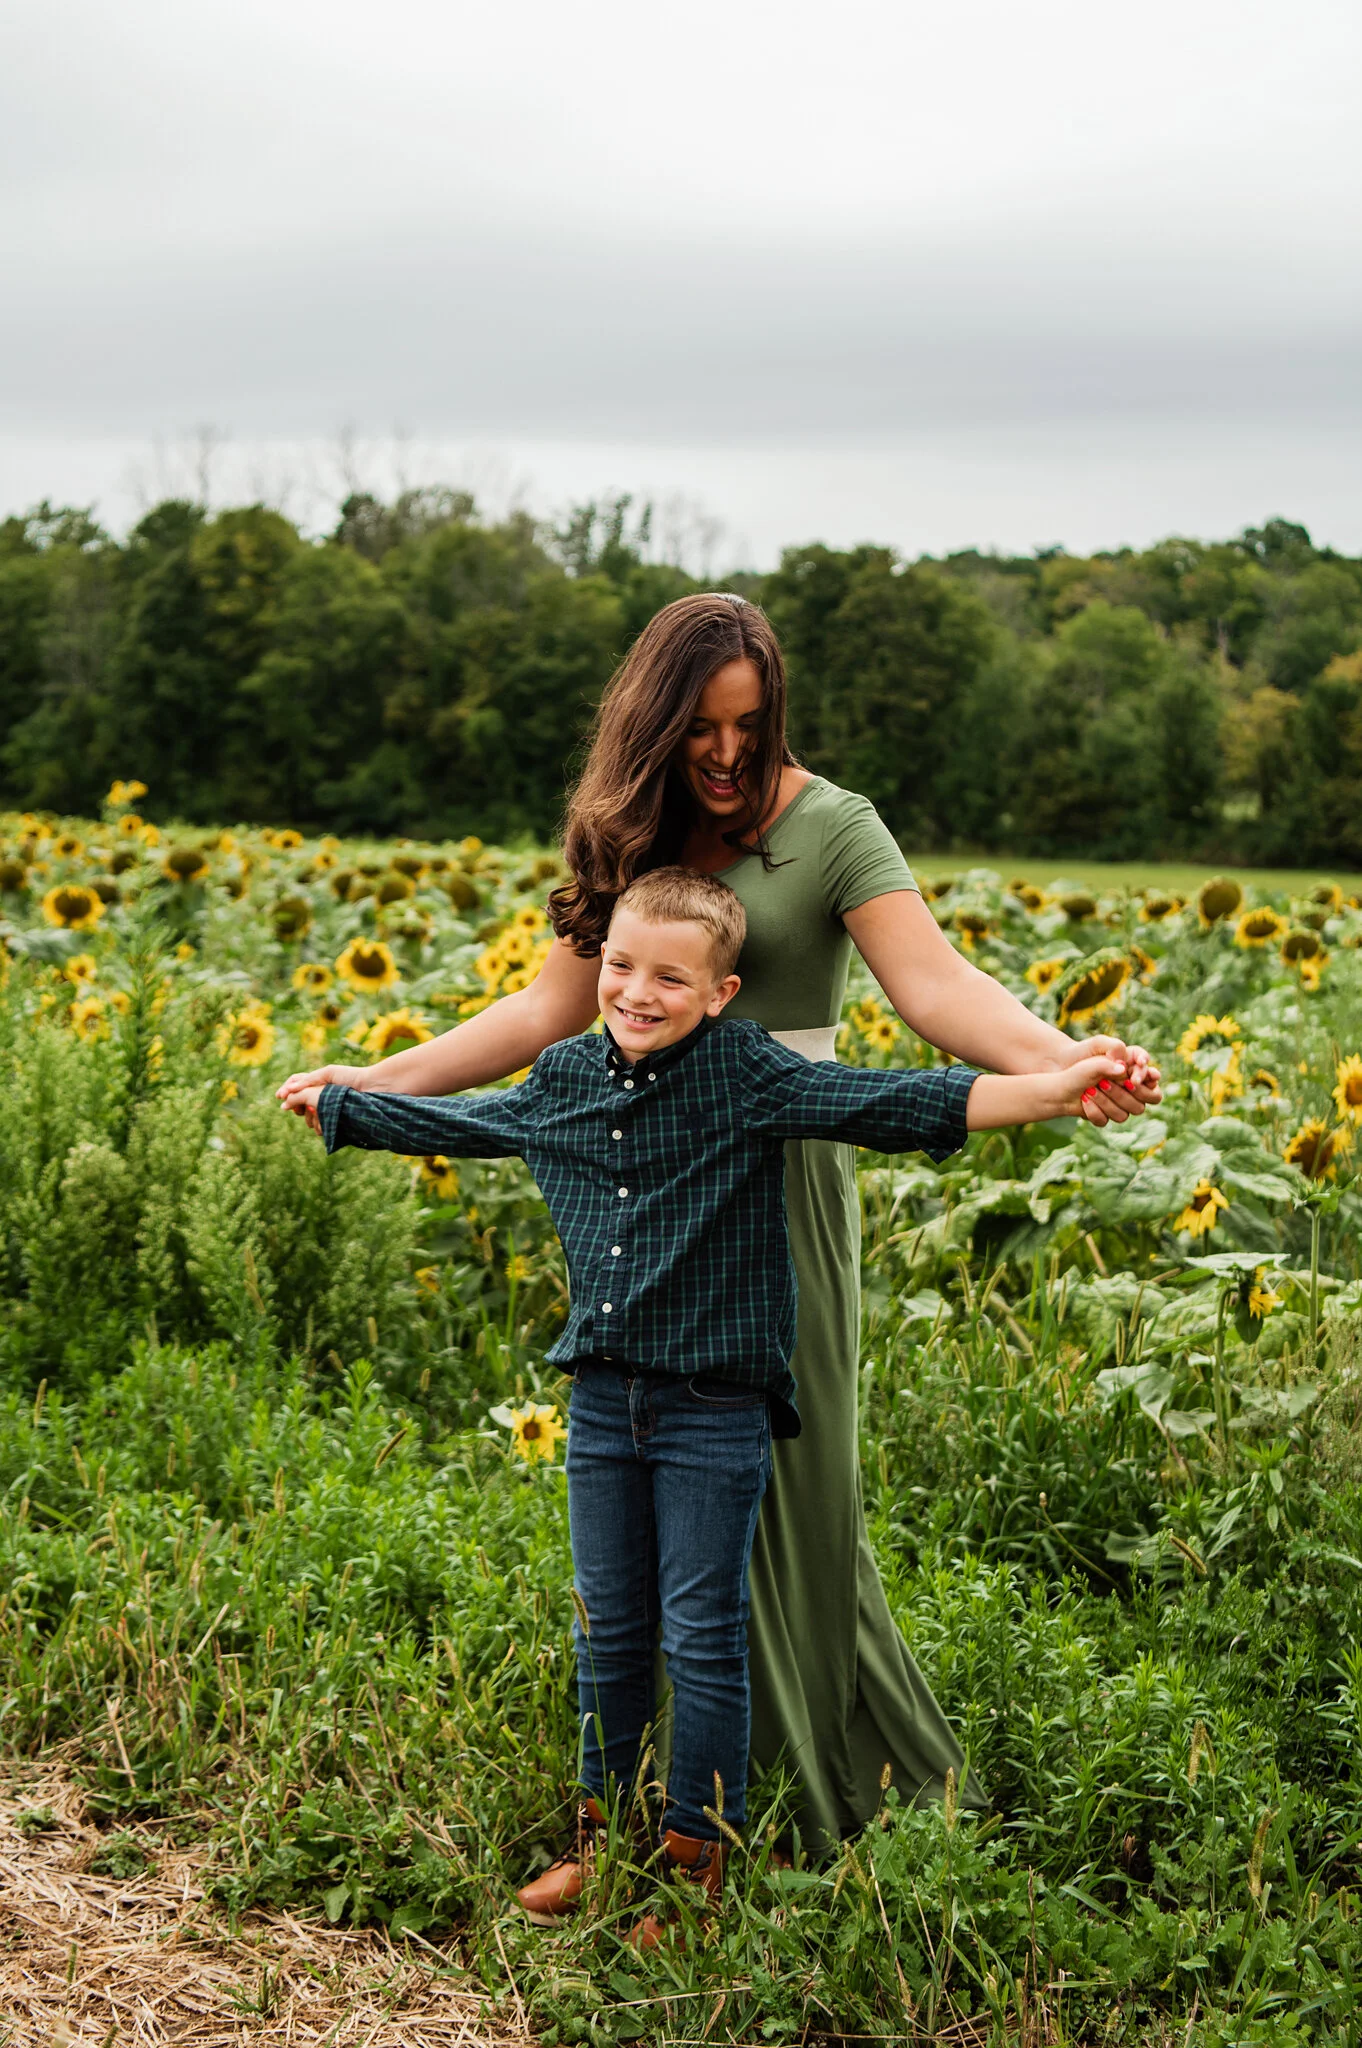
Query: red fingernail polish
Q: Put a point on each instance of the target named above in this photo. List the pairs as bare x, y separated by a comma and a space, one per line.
1088, 1094
1104, 1084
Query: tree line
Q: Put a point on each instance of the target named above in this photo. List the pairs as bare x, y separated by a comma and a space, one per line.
426, 671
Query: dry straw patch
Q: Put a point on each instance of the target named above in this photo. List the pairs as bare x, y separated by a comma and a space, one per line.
85, 1958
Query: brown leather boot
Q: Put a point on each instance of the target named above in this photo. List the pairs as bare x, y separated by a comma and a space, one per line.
554, 1894
702, 1862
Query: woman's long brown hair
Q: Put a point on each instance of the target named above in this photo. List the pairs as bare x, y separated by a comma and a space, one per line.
630, 810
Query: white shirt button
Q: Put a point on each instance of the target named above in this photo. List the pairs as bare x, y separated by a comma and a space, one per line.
628, 1084
624, 1194
652, 1077
605, 1308
617, 1134
615, 1250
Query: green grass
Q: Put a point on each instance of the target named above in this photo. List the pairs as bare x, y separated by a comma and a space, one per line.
1181, 877
271, 1576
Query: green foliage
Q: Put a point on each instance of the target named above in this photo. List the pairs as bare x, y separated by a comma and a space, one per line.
271, 1572
424, 670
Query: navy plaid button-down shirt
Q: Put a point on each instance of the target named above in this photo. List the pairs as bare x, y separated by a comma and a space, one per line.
665, 1179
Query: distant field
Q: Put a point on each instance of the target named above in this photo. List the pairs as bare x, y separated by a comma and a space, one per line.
1181, 876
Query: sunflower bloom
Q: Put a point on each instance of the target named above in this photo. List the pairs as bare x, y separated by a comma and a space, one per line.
246, 1039
73, 907
972, 926
1301, 944
286, 840
883, 1034
313, 978
1216, 900
535, 1433
367, 964
66, 846
1227, 1082
1205, 1029
1316, 1150
1043, 973
397, 1028
125, 793
1312, 970
1096, 985
1157, 906
185, 864
88, 1018
438, 1178
1261, 1300
82, 967
1263, 927
1203, 1210
530, 918
312, 1038
1348, 1089
1029, 896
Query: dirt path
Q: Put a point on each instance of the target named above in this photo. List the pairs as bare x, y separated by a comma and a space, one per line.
86, 1958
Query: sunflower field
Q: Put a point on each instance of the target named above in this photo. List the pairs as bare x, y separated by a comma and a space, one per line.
283, 1549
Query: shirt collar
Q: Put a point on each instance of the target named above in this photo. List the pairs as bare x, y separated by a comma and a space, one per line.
668, 1056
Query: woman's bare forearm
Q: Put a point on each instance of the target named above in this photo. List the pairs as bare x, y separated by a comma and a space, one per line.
969, 1014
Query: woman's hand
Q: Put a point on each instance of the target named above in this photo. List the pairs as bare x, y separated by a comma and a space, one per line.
297, 1086
1113, 1101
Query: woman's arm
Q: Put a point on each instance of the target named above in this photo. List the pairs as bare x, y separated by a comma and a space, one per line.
951, 1004
507, 1035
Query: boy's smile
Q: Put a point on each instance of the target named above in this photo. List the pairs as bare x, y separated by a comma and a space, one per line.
657, 981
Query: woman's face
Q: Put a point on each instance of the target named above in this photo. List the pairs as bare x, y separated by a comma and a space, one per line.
717, 749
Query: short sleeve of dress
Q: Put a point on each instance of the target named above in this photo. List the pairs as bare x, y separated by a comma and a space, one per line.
860, 858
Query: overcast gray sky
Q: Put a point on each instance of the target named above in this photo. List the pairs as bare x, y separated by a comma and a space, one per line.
937, 275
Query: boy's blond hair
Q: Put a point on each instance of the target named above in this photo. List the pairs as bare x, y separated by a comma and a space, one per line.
680, 896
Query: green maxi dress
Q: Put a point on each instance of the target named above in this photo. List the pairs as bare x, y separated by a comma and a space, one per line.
835, 1693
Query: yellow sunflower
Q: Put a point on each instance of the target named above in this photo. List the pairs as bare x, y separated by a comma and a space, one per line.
1216, 900
883, 1034
72, 906
367, 964
1315, 1149
536, 1433
1205, 1029
125, 793
1043, 973
394, 887
82, 967
1157, 906
1227, 1082
865, 1013
130, 825
13, 875
1327, 895
1263, 927
1145, 965
1088, 987
150, 835
312, 1038
1078, 906
1202, 1211
531, 919
1265, 1082
471, 847
246, 1039
489, 967
88, 1018
1312, 970
438, 1178
185, 864
1029, 896
1301, 944
286, 840
1348, 1089
427, 1278
291, 917
394, 1030
1261, 1300
66, 846
972, 926
314, 977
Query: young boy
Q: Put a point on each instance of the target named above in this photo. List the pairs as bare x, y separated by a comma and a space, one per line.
658, 1146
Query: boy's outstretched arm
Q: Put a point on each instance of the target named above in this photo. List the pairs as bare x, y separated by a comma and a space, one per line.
927, 1110
492, 1126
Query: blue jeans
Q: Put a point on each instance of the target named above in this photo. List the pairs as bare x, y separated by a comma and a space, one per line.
665, 1476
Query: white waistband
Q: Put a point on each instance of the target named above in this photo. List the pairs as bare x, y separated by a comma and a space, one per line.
819, 1044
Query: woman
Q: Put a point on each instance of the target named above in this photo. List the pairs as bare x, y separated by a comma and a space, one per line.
689, 763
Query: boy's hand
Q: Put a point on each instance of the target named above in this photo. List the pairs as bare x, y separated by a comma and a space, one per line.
290, 1092
303, 1102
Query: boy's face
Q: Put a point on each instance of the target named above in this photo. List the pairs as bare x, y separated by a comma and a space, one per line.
657, 982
